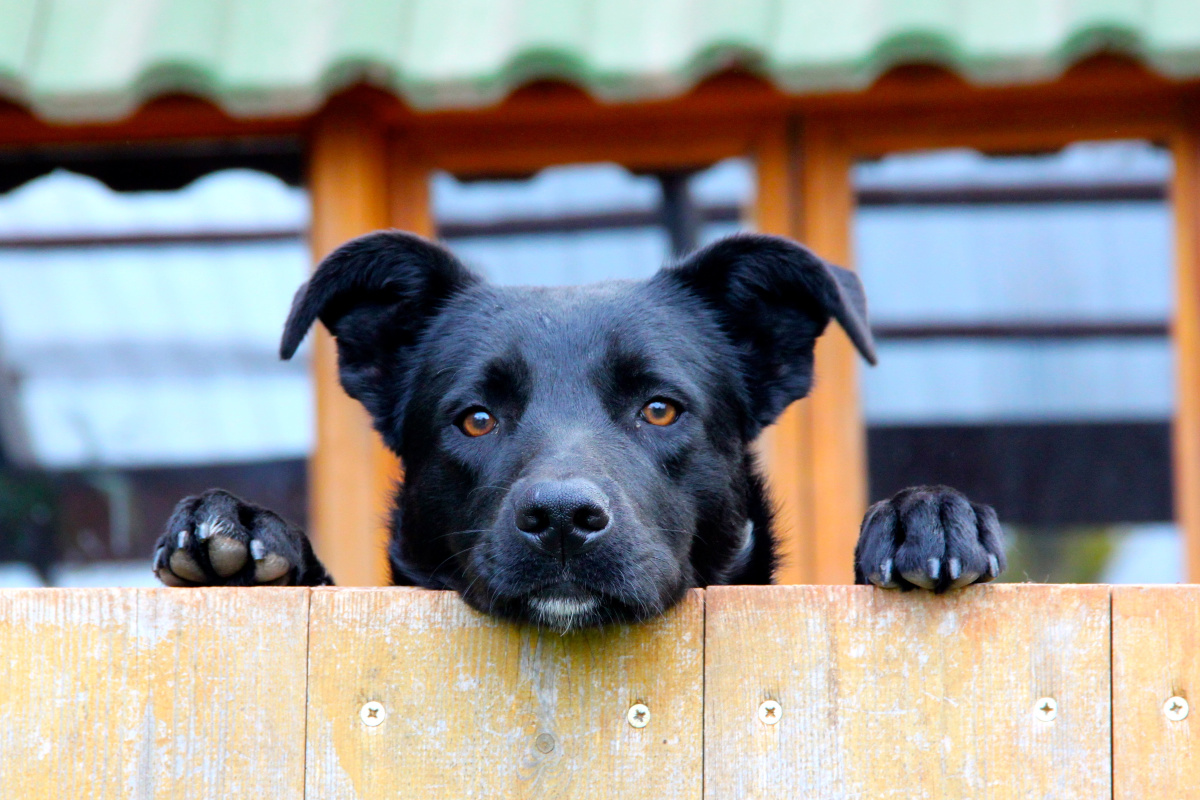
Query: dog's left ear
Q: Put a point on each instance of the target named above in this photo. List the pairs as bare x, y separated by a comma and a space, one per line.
774, 298
376, 294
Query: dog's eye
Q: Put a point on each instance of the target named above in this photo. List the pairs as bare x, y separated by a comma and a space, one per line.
477, 422
660, 412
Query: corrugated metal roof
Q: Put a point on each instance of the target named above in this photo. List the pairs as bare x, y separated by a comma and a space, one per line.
83, 59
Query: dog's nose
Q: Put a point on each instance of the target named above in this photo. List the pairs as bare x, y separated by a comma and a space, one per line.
562, 517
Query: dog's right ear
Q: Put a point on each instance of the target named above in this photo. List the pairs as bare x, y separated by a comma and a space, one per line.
774, 297
376, 294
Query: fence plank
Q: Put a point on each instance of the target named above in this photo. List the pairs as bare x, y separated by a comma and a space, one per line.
153, 693
888, 695
226, 670
71, 690
1156, 656
480, 708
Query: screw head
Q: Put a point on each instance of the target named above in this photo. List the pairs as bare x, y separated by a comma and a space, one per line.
1176, 708
544, 743
372, 714
770, 712
1046, 709
638, 715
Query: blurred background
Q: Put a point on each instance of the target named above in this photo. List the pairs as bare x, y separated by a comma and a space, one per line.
1021, 305
1023, 299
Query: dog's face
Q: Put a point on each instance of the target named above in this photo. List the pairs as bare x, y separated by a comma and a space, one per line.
575, 455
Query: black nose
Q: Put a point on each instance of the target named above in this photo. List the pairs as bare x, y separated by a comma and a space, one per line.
562, 517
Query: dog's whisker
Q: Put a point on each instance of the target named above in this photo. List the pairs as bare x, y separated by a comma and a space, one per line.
458, 533
498, 487
455, 555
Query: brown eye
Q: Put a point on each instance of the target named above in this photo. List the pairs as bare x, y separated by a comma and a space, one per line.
660, 412
477, 422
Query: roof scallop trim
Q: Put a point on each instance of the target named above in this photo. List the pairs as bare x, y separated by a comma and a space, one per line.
82, 60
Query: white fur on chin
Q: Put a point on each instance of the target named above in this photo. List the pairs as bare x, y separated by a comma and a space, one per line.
562, 612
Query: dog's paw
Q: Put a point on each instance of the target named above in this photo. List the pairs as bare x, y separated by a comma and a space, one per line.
929, 537
215, 539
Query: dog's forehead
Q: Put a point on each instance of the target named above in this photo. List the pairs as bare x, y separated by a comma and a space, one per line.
552, 324
566, 339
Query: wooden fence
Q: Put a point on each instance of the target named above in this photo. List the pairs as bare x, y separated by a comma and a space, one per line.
740, 692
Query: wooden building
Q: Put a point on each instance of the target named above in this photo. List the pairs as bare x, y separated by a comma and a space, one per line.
380, 93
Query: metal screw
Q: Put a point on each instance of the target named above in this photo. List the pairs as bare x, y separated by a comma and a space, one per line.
544, 743
1046, 709
770, 712
1176, 709
373, 714
638, 715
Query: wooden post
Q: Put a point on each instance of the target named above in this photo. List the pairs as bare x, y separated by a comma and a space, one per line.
816, 454
348, 497
785, 446
837, 439
1185, 198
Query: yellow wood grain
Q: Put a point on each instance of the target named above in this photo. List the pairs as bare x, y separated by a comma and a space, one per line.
1156, 656
890, 695
72, 693
152, 693
478, 708
226, 674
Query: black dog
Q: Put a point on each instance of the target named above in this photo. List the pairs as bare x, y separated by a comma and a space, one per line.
575, 456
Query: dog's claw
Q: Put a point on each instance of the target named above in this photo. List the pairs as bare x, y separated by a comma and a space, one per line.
954, 568
993, 567
883, 579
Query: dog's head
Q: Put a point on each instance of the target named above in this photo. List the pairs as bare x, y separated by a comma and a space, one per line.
575, 455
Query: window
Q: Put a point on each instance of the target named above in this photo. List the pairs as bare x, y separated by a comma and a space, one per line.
1021, 306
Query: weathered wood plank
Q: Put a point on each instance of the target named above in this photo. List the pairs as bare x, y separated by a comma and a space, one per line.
1156, 656
226, 675
71, 692
906, 695
480, 708
153, 693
